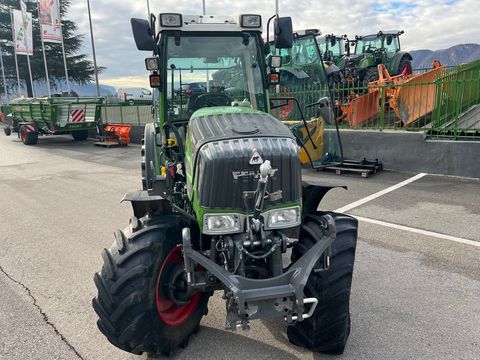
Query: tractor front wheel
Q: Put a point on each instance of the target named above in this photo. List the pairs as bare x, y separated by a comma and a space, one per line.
28, 137
7, 131
328, 329
142, 302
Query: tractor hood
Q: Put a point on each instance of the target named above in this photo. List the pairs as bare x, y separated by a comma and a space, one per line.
225, 147
217, 123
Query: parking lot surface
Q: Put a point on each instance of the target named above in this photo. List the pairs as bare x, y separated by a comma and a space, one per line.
416, 285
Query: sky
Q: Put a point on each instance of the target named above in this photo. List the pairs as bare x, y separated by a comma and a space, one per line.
428, 24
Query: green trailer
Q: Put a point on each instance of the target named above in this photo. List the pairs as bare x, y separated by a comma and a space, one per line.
30, 118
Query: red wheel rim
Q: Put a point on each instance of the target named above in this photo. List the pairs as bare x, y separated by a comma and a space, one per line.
170, 313
406, 70
23, 134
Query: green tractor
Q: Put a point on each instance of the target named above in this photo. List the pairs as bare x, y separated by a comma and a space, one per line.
223, 198
372, 50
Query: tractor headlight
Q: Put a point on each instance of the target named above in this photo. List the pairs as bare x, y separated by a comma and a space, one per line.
282, 218
221, 224
170, 20
152, 63
250, 21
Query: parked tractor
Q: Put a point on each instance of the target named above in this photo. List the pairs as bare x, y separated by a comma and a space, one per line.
223, 197
31, 117
372, 50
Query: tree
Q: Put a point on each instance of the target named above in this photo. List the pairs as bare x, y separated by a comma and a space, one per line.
80, 69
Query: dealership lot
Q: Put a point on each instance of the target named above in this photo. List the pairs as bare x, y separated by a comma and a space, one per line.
416, 285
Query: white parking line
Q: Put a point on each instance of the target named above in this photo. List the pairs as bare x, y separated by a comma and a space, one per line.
380, 193
419, 231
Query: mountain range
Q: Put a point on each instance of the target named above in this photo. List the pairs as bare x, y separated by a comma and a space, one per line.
455, 55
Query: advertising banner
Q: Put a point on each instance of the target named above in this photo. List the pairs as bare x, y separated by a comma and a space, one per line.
50, 21
22, 30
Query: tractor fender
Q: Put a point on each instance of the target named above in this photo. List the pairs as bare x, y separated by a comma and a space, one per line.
313, 193
395, 62
30, 126
366, 62
143, 203
341, 62
331, 68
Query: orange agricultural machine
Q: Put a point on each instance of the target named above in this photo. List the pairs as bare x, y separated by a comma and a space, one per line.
410, 96
115, 135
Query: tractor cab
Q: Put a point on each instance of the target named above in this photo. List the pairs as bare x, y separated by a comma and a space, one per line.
204, 61
383, 45
333, 47
382, 48
235, 71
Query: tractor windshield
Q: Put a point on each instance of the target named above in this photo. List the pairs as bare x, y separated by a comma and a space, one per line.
368, 44
303, 79
331, 52
213, 70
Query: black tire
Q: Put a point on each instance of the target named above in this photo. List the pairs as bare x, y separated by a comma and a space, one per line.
370, 75
405, 64
7, 131
80, 135
127, 289
328, 329
131, 102
27, 137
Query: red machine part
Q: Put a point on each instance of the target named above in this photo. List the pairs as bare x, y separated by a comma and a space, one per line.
118, 133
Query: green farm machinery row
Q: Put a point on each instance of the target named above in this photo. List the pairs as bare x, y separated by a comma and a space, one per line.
30, 118
356, 60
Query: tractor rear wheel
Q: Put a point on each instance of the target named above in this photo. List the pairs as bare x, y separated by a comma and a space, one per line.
28, 137
328, 329
405, 67
80, 135
135, 304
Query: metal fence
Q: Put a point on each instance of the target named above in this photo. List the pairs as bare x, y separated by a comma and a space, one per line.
444, 103
126, 114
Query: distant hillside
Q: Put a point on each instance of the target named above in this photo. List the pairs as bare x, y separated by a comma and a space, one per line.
455, 55
87, 89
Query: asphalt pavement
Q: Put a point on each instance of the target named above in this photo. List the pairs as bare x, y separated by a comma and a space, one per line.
414, 296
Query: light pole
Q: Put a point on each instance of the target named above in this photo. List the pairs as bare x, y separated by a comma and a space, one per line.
148, 9
93, 49
3, 76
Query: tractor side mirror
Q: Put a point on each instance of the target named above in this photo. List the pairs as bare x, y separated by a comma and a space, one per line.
142, 34
325, 109
283, 33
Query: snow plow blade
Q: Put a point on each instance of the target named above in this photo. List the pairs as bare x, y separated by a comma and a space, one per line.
415, 98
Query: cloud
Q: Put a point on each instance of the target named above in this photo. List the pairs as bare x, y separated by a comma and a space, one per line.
428, 24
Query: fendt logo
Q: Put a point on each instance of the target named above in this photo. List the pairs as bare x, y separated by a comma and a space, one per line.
254, 174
